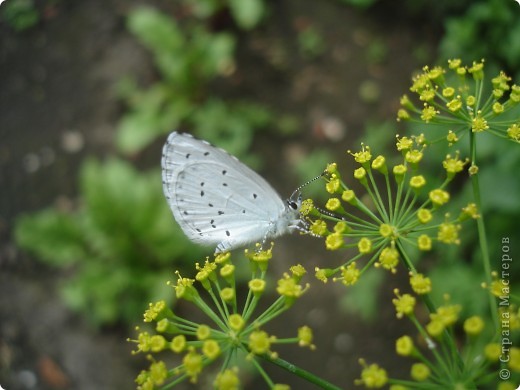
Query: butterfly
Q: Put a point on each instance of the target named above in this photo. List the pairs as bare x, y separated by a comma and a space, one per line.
218, 201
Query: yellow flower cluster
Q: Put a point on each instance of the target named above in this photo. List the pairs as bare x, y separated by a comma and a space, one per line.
456, 94
233, 333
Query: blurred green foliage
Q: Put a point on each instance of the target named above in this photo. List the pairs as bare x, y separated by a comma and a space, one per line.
311, 42
20, 14
487, 29
120, 242
247, 14
473, 29
187, 60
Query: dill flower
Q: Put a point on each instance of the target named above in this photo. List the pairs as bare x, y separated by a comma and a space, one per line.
420, 372
447, 314
372, 376
420, 283
449, 233
380, 227
350, 274
460, 101
230, 334
318, 227
334, 241
492, 351
333, 186
364, 245
404, 346
227, 380
260, 342
257, 286
473, 325
388, 259
305, 337
439, 197
404, 304
514, 359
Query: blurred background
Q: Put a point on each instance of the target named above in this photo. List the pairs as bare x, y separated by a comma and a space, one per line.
89, 91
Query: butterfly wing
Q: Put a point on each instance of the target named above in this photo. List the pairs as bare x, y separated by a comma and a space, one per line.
215, 198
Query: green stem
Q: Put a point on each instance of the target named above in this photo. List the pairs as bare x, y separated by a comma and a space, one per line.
481, 228
309, 377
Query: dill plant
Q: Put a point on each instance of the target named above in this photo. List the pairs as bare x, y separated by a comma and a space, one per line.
401, 213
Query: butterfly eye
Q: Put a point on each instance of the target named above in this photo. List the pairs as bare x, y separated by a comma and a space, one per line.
292, 204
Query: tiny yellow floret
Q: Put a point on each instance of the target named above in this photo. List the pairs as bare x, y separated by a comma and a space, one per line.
479, 124
492, 351
513, 132
388, 259
257, 286
449, 233
203, 332
424, 216
404, 346
227, 380
372, 377
417, 182
178, 343
192, 362
211, 349
404, 144
333, 204
360, 173
404, 304
334, 241
333, 186
424, 242
420, 372
260, 342
420, 284
364, 245
348, 196
236, 322
319, 227
439, 197
305, 337
227, 294
473, 326
350, 274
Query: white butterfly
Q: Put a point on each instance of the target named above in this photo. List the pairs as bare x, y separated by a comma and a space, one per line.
218, 201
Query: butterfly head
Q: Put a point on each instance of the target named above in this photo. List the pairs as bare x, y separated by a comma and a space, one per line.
295, 201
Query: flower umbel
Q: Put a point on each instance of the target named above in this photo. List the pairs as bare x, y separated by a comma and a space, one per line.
381, 225
457, 100
230, 333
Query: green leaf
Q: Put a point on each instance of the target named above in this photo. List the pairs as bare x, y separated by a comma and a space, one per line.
55, 237
247, 13
155, 30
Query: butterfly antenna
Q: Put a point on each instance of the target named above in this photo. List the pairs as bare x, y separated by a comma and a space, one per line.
298, 190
